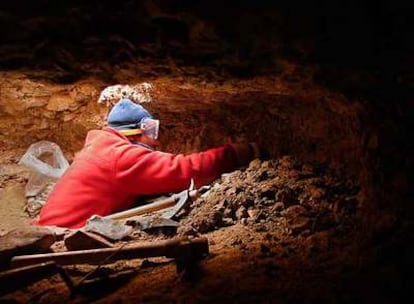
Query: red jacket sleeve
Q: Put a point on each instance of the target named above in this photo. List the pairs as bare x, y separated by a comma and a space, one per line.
143, 171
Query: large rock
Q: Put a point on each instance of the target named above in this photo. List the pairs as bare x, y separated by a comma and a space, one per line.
24, 240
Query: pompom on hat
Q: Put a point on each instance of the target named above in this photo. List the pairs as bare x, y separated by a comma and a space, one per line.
126, 115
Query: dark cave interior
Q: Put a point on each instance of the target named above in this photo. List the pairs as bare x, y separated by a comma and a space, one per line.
358, 49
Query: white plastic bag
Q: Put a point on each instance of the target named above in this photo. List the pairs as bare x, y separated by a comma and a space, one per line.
58, 165
47, 162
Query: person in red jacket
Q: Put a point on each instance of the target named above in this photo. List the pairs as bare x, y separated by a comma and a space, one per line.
118, 164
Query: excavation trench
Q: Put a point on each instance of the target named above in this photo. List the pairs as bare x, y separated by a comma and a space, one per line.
280, 227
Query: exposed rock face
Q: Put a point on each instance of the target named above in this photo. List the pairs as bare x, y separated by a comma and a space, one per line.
318, 125
33, 109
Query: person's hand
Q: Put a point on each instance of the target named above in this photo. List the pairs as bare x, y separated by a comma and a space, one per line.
247, 152
259, 152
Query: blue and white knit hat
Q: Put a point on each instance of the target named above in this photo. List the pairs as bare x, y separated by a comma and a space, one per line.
127, 115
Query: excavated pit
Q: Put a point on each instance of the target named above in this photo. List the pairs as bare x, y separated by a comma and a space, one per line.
297, 212
324, 219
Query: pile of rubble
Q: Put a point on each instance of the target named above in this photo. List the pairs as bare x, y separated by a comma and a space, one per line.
283, 196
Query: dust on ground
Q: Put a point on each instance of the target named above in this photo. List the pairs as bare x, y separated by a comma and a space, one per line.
12, 197
279, 232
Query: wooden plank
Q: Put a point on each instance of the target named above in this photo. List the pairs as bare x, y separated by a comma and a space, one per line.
172, 248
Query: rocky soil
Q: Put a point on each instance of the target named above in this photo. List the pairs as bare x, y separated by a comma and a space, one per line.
329, 85
286, 230
279, 231
281, 196
301, 228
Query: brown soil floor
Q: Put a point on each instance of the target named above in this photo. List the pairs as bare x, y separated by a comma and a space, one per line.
279, 231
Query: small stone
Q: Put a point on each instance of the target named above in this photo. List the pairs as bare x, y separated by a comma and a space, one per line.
241, 213
80, 240
279, 206
236, 242
221, 206
293, 211
253, 213
228, 221
228, 212
316, 192
299, 224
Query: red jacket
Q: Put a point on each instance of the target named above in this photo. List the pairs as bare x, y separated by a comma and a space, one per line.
109, 174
